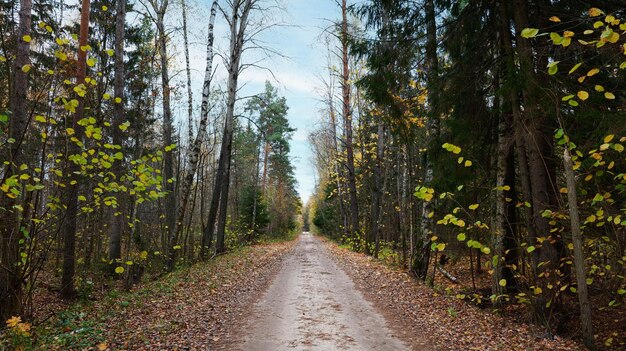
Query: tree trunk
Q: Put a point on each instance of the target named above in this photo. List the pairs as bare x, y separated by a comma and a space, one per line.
238, 24
116, 221
377, 190
10, 280
538, 128
71, 213
188, 71
579, 258
168, 157
432, 130
354, 227
194, 153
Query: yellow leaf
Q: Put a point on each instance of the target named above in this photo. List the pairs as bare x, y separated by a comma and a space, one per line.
473, 207
609, 19
27, 38
555, 19
441, 247
538, 291
593, 72
613, 38
502, 282
568, 34
103, 346
25, 68
104, 8
581, 79
589, 177
118, 100
91, 62
608, 138
583, 95
609, 95
595, 12
599, 88
119, 270
468, 163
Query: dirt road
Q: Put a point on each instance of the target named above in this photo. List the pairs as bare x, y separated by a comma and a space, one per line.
313, 305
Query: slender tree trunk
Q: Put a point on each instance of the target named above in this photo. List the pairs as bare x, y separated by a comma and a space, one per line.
238, 24
194, 153
347, 116
168, 157
432, 129
338, 173
71, 213
10, 280
377, 190
190, 123
499, 228
116, 221
579, 258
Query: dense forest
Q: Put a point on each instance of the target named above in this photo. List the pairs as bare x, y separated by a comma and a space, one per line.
485, 133
476, 144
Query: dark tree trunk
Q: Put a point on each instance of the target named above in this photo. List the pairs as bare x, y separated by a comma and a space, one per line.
71, 213
428, 207
347, 116
10, 276
117, 221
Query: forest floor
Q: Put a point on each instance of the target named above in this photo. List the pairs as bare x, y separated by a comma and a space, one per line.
299, 295
414, 310
186, 310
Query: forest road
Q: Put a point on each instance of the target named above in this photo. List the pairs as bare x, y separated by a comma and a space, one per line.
312, 304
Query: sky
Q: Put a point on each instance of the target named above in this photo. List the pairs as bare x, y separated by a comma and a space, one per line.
297, 71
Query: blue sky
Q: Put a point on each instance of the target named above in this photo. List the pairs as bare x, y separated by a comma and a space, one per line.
297, 75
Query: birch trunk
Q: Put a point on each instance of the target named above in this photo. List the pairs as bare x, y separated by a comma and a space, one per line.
194, 153
219, 203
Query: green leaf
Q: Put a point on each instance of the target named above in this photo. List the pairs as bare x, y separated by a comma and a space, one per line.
502, 282
461, 237
553, 68
529, 32
575, 68
598, 198
4, 118
530, 249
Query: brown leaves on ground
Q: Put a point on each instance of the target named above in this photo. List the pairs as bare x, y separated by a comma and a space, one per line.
419, 313
187, 309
